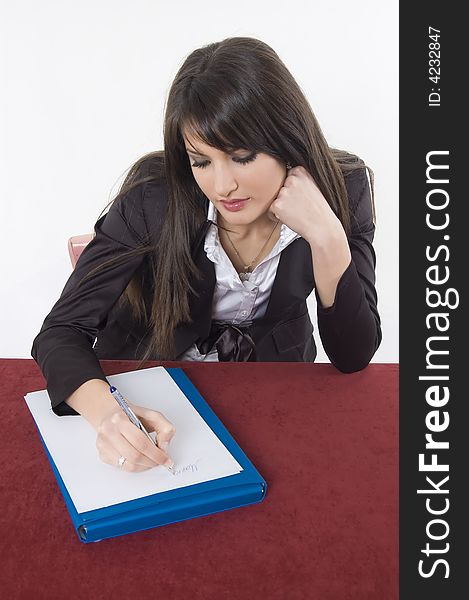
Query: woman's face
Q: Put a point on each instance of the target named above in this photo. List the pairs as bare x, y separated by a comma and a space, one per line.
254, 179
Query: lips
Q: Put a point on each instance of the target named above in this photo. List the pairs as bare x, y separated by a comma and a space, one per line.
234, 204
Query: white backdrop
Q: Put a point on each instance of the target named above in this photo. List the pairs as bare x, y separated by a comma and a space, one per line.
83, 91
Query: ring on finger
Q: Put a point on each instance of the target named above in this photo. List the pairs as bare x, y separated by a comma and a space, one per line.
121, 461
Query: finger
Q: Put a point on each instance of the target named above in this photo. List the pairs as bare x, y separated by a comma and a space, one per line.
133, 468
119, 433
272, 216
155, 421
108, 455
140, 444
122, 446
272, 210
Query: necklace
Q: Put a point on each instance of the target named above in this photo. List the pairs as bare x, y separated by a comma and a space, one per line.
247, 269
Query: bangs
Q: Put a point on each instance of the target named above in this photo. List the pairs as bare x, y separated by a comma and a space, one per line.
221, 125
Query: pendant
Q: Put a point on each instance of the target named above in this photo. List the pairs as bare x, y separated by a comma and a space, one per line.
244, 276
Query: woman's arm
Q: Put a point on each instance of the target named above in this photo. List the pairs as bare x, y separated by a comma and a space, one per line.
330, 256
348, 319
116, 435
103, 402
343, 268
63, 348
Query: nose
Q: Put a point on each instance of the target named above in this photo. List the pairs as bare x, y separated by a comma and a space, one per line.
225, 181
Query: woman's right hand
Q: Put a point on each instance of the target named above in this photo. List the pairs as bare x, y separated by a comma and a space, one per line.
117, 437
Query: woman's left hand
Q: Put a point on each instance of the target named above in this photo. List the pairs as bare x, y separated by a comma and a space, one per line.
303, 208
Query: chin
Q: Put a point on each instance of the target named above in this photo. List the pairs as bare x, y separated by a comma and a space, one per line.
239, 219
242, 217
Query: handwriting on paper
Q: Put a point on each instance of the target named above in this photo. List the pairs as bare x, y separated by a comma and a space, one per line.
190, 468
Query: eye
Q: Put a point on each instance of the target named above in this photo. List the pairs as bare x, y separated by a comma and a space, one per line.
246, 160
200, 165
241, 161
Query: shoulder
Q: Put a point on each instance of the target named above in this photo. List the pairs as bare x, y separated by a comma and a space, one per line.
358, 186
155, 188
140, 206
144, 203
356, 176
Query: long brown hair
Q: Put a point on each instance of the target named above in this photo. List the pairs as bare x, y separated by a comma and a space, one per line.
232, 94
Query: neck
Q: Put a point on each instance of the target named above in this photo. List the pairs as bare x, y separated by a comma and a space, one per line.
261, 227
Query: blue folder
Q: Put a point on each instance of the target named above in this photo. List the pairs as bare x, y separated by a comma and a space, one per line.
241, 489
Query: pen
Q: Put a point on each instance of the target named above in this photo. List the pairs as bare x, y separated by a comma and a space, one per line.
132, 416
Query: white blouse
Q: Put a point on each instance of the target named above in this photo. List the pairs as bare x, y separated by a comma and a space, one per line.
235, 301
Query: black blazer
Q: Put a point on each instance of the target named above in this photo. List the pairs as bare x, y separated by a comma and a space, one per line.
90, 314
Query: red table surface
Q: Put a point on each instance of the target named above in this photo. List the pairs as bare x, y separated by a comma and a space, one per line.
325, 442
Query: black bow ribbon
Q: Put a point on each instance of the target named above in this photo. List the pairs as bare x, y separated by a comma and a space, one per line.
233, 343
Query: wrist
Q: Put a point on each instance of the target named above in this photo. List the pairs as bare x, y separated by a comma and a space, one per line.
327, 240
93, 401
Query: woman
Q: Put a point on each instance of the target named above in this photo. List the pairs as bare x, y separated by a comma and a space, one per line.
211, 248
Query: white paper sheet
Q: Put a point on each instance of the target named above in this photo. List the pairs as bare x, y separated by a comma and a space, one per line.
197, 452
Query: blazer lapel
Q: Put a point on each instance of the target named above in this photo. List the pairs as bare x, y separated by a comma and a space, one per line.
200, 299
293, 281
